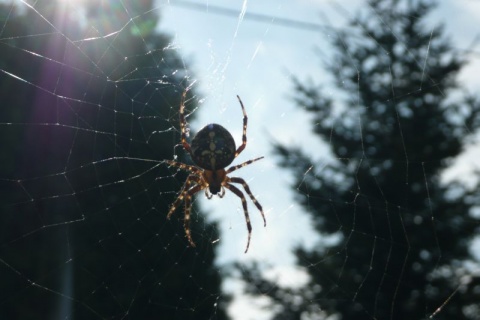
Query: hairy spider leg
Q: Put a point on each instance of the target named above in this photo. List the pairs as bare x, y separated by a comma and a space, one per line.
188, 207
241, 165
184, 166
181, 195
239, 194
183, 124
186, 194
250, 194
244, 135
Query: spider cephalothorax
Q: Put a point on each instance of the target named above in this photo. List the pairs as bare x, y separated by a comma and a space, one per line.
212, 150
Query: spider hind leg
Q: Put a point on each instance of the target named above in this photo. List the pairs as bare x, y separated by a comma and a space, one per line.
239, 194
186, 194
252, 197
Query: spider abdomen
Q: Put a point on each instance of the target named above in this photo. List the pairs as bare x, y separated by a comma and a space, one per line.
213, 147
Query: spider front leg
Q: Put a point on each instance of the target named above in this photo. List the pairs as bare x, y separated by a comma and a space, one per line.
244, 135
184, 166
183, 124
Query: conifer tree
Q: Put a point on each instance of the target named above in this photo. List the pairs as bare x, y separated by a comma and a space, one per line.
93, 105
403, 237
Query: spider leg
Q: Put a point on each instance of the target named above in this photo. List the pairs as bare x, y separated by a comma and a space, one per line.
181, 194
239, 194
254, 200
244, 135
186, 194
184, 166
183, 124
241, 165
188, 207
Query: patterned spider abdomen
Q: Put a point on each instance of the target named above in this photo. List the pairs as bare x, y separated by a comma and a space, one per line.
213, 147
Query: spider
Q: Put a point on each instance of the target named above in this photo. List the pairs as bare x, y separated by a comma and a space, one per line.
212, 150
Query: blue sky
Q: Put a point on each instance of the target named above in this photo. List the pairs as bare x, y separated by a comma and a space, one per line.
256, 60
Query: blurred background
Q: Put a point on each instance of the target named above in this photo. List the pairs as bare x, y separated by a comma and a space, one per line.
367, 113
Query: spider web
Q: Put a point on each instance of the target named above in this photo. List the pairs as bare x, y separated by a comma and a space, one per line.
84, 189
